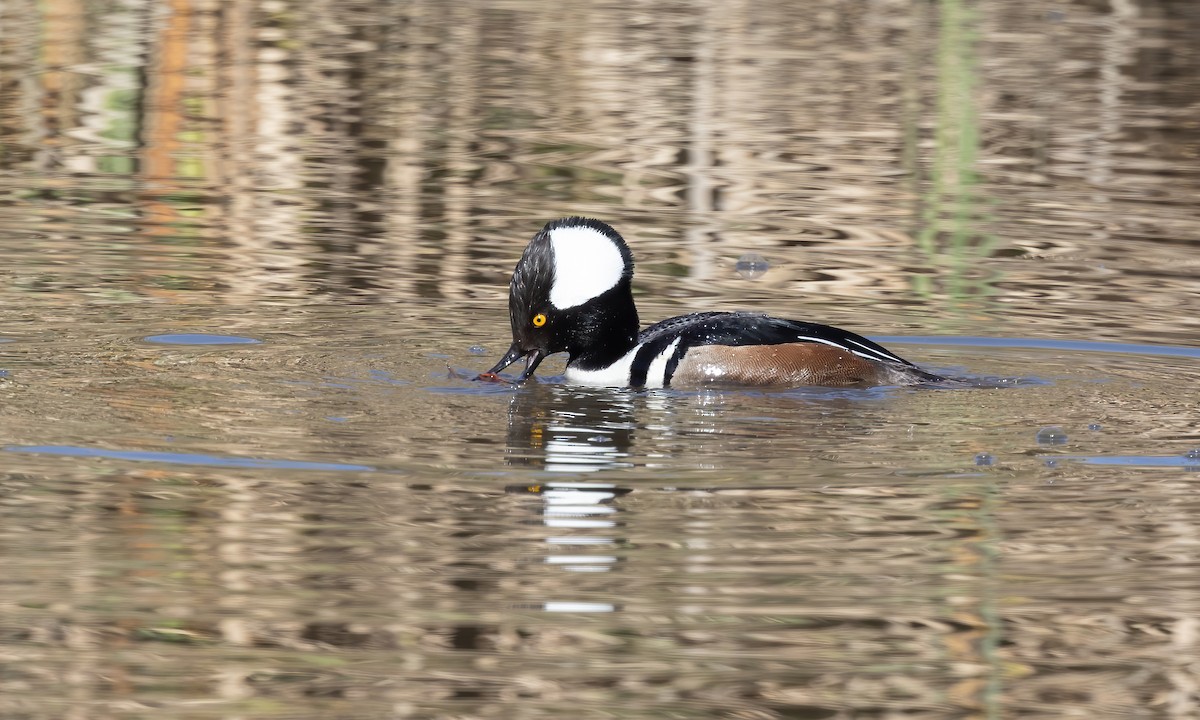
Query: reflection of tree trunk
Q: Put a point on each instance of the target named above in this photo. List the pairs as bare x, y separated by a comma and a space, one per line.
698, 172
913, 90
1185, 631
973, 555
278, 168
462, 48
77, 630
233, 101
163, 118
1118, 46
63, 48
405, 150
256, 110
235, 581
234, 105
162, 123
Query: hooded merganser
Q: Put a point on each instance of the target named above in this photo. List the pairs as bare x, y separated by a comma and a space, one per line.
571, 292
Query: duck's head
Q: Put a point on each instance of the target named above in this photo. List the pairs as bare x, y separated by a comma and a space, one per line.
571, 292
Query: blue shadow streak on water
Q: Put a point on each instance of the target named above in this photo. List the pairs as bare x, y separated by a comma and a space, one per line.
182, 458
1132, 460
384, 376
1068, 345
200, 339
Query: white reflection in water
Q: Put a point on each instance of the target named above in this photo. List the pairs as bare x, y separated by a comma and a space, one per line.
586, 505
569, 433
572, 559
577, 523
567, 452
579, 607
580, 540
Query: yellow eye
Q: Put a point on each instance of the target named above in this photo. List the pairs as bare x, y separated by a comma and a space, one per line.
539, 320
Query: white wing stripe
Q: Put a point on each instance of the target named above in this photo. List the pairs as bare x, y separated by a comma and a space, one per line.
874, 350
870, 354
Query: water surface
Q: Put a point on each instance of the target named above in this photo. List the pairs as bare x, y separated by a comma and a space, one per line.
250, 253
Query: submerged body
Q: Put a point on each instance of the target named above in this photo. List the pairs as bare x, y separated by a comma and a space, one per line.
571, 292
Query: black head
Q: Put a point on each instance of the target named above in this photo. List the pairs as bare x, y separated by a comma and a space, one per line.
571, 292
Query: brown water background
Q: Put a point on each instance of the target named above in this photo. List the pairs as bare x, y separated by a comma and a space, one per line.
249, 249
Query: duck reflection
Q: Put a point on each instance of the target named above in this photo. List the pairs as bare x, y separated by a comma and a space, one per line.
560, 429
569, 429
562, 437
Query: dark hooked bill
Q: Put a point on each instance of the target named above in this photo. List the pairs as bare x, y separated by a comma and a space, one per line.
533, 358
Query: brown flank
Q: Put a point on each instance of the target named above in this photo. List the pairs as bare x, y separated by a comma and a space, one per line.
803, 363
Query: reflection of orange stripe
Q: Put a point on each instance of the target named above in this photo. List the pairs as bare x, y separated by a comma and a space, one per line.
164, 116
162, 123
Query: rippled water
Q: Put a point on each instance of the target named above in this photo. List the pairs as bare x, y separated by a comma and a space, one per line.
250, 253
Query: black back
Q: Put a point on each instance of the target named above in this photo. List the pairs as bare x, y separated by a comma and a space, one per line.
743, 328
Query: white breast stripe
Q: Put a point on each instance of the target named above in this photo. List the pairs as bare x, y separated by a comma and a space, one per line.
586, 263
615, 375
658, 366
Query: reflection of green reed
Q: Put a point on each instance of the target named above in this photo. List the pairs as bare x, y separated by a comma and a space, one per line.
950, 238
949, 233
119, 100
121, 120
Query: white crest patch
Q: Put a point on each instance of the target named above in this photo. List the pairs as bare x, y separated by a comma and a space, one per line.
586, 263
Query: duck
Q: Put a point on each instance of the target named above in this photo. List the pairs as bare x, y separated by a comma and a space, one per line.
572, 292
